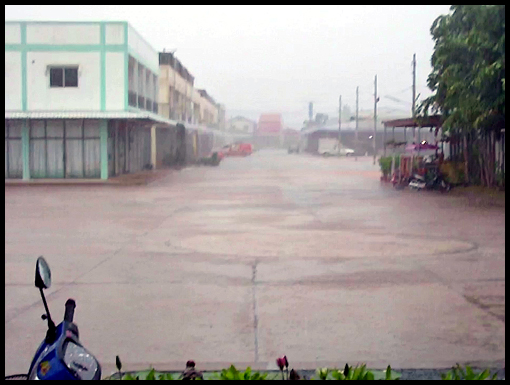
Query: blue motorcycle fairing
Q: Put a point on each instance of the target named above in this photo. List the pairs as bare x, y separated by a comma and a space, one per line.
48, 361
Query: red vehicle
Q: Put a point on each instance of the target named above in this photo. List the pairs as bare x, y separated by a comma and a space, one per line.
238, 149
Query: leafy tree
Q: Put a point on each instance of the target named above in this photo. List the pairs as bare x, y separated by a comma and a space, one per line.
468, 81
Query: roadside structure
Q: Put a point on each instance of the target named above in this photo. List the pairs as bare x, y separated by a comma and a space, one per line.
241, 129
361, 143
84, 100
290, 137
176, 86
80, 99
208, 110
416, 135
269, 132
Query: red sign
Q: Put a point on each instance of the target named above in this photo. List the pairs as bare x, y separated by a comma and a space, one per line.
270, 123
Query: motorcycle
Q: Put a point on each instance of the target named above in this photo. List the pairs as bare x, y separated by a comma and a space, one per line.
436, 182
60, 356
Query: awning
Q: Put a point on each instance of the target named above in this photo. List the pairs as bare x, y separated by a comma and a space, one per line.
87, 115
429, 121
421, 147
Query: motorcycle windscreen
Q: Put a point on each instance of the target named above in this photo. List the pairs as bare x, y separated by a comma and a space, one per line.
80, 361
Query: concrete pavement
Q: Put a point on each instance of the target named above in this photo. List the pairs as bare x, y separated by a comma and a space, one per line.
262, 256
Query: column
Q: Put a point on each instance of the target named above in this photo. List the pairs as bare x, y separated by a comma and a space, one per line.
25, 148
153, 146
103, 136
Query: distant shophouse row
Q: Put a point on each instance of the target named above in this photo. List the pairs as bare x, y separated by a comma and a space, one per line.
81, 100
180, 100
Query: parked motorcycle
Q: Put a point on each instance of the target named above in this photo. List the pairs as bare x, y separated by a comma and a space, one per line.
436, 182
60, 356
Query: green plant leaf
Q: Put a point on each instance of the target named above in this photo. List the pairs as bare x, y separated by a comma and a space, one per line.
357, 372
446, 376
337, 375
469, 374
485, 374
151, 375
247, 373
388, 373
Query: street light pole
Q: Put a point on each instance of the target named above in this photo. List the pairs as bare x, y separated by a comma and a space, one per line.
376, 99
339, 123
356, 157
174, 104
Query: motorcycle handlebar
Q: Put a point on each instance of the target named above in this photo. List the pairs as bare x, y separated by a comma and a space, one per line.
69, 312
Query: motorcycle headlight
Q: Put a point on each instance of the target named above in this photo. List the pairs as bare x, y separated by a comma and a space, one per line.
80, 361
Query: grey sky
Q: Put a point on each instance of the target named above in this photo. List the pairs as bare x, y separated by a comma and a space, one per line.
257, 59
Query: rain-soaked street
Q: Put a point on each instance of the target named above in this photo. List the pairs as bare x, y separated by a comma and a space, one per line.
262, 256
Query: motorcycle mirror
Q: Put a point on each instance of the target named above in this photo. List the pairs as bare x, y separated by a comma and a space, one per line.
42, 274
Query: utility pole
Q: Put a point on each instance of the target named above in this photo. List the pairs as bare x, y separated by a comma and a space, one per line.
414, 95
174, 103
356, 132
339, 123
376, 99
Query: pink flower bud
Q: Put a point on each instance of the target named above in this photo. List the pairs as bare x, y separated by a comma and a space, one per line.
190, 364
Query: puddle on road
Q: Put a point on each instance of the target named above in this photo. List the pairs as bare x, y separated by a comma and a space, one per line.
283, 243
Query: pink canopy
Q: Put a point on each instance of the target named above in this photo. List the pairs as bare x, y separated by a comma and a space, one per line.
420, 147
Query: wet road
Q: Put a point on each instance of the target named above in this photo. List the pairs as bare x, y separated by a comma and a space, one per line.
262, 256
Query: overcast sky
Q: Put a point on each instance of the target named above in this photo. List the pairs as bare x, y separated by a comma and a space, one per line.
262, 58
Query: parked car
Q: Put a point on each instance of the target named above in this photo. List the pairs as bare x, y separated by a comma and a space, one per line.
238, 149
346, 151
329, 147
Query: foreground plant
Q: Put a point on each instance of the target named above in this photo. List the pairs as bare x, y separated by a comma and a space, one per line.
357, 373
190, 373
350, 373
457, 373
151, 375
322, 373
233, 374
283, 363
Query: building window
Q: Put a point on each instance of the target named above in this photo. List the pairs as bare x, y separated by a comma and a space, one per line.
155, 93
132, 82
141, 86
63, 77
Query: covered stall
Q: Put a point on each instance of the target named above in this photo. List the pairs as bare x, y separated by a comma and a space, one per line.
412, 151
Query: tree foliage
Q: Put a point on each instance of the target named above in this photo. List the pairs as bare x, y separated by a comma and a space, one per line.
468, 81
468, 76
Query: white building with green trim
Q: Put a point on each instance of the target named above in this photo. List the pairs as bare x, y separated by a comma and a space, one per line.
80, 100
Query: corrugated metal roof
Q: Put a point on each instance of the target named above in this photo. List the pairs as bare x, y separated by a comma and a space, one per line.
430, 121
363, 126
140, 115
87, 115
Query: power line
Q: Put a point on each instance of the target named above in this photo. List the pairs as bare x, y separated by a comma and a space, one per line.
396, 99
401, 91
